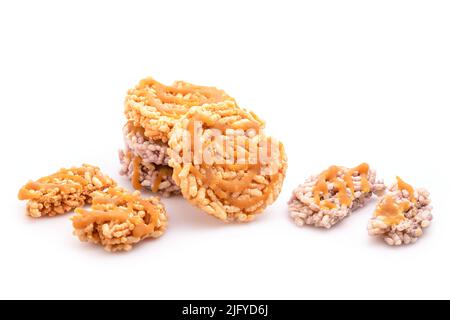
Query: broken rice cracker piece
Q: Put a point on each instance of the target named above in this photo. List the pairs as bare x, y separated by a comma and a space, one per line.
119, 219
401, 215
326, 199
63, 191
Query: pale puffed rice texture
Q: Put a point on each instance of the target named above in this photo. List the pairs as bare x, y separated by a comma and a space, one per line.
328, 198
402, 215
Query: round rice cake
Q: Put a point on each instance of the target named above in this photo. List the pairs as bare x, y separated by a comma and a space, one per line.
229, 169
156, 107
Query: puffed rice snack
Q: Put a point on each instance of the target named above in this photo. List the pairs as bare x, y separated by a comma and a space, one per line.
118, 219
63, 191
224, 163
152, 109
328, 198
401, 215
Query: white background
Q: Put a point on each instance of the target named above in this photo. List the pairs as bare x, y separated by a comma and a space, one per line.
340, 82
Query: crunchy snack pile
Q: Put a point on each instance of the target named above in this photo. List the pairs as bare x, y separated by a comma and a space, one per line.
118, 219
152, 109
401, 215
145, 162
223, 186
63, 191
326, 199
196, 141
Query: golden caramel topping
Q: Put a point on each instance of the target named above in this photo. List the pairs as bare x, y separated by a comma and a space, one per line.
235, 185
340, 184
221, 187
65, 180
224, 188
163, 173
391, 211
118, 206
180, 97
118, 219
328, 204
141, 228
63, 191
320, 189
135, 179
135, 129
231, 169
363, 171
343, 197
26, 194
157, 107
402, 185
86, 217
250, 122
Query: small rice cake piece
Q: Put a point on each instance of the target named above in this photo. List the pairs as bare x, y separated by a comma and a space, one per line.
328, 198
118, 219
401, 215
63, 191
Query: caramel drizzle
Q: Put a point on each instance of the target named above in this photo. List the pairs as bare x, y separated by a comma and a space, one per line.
161, 94
163, 173
253, 122
120, 210
402, 185
391, 211
320, 190
224, 188
65, 180
136, 177
134, 129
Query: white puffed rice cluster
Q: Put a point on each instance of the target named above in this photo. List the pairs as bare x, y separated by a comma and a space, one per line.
154, 172
412, 222
63, 191
118, 220
150, 151
305, 210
